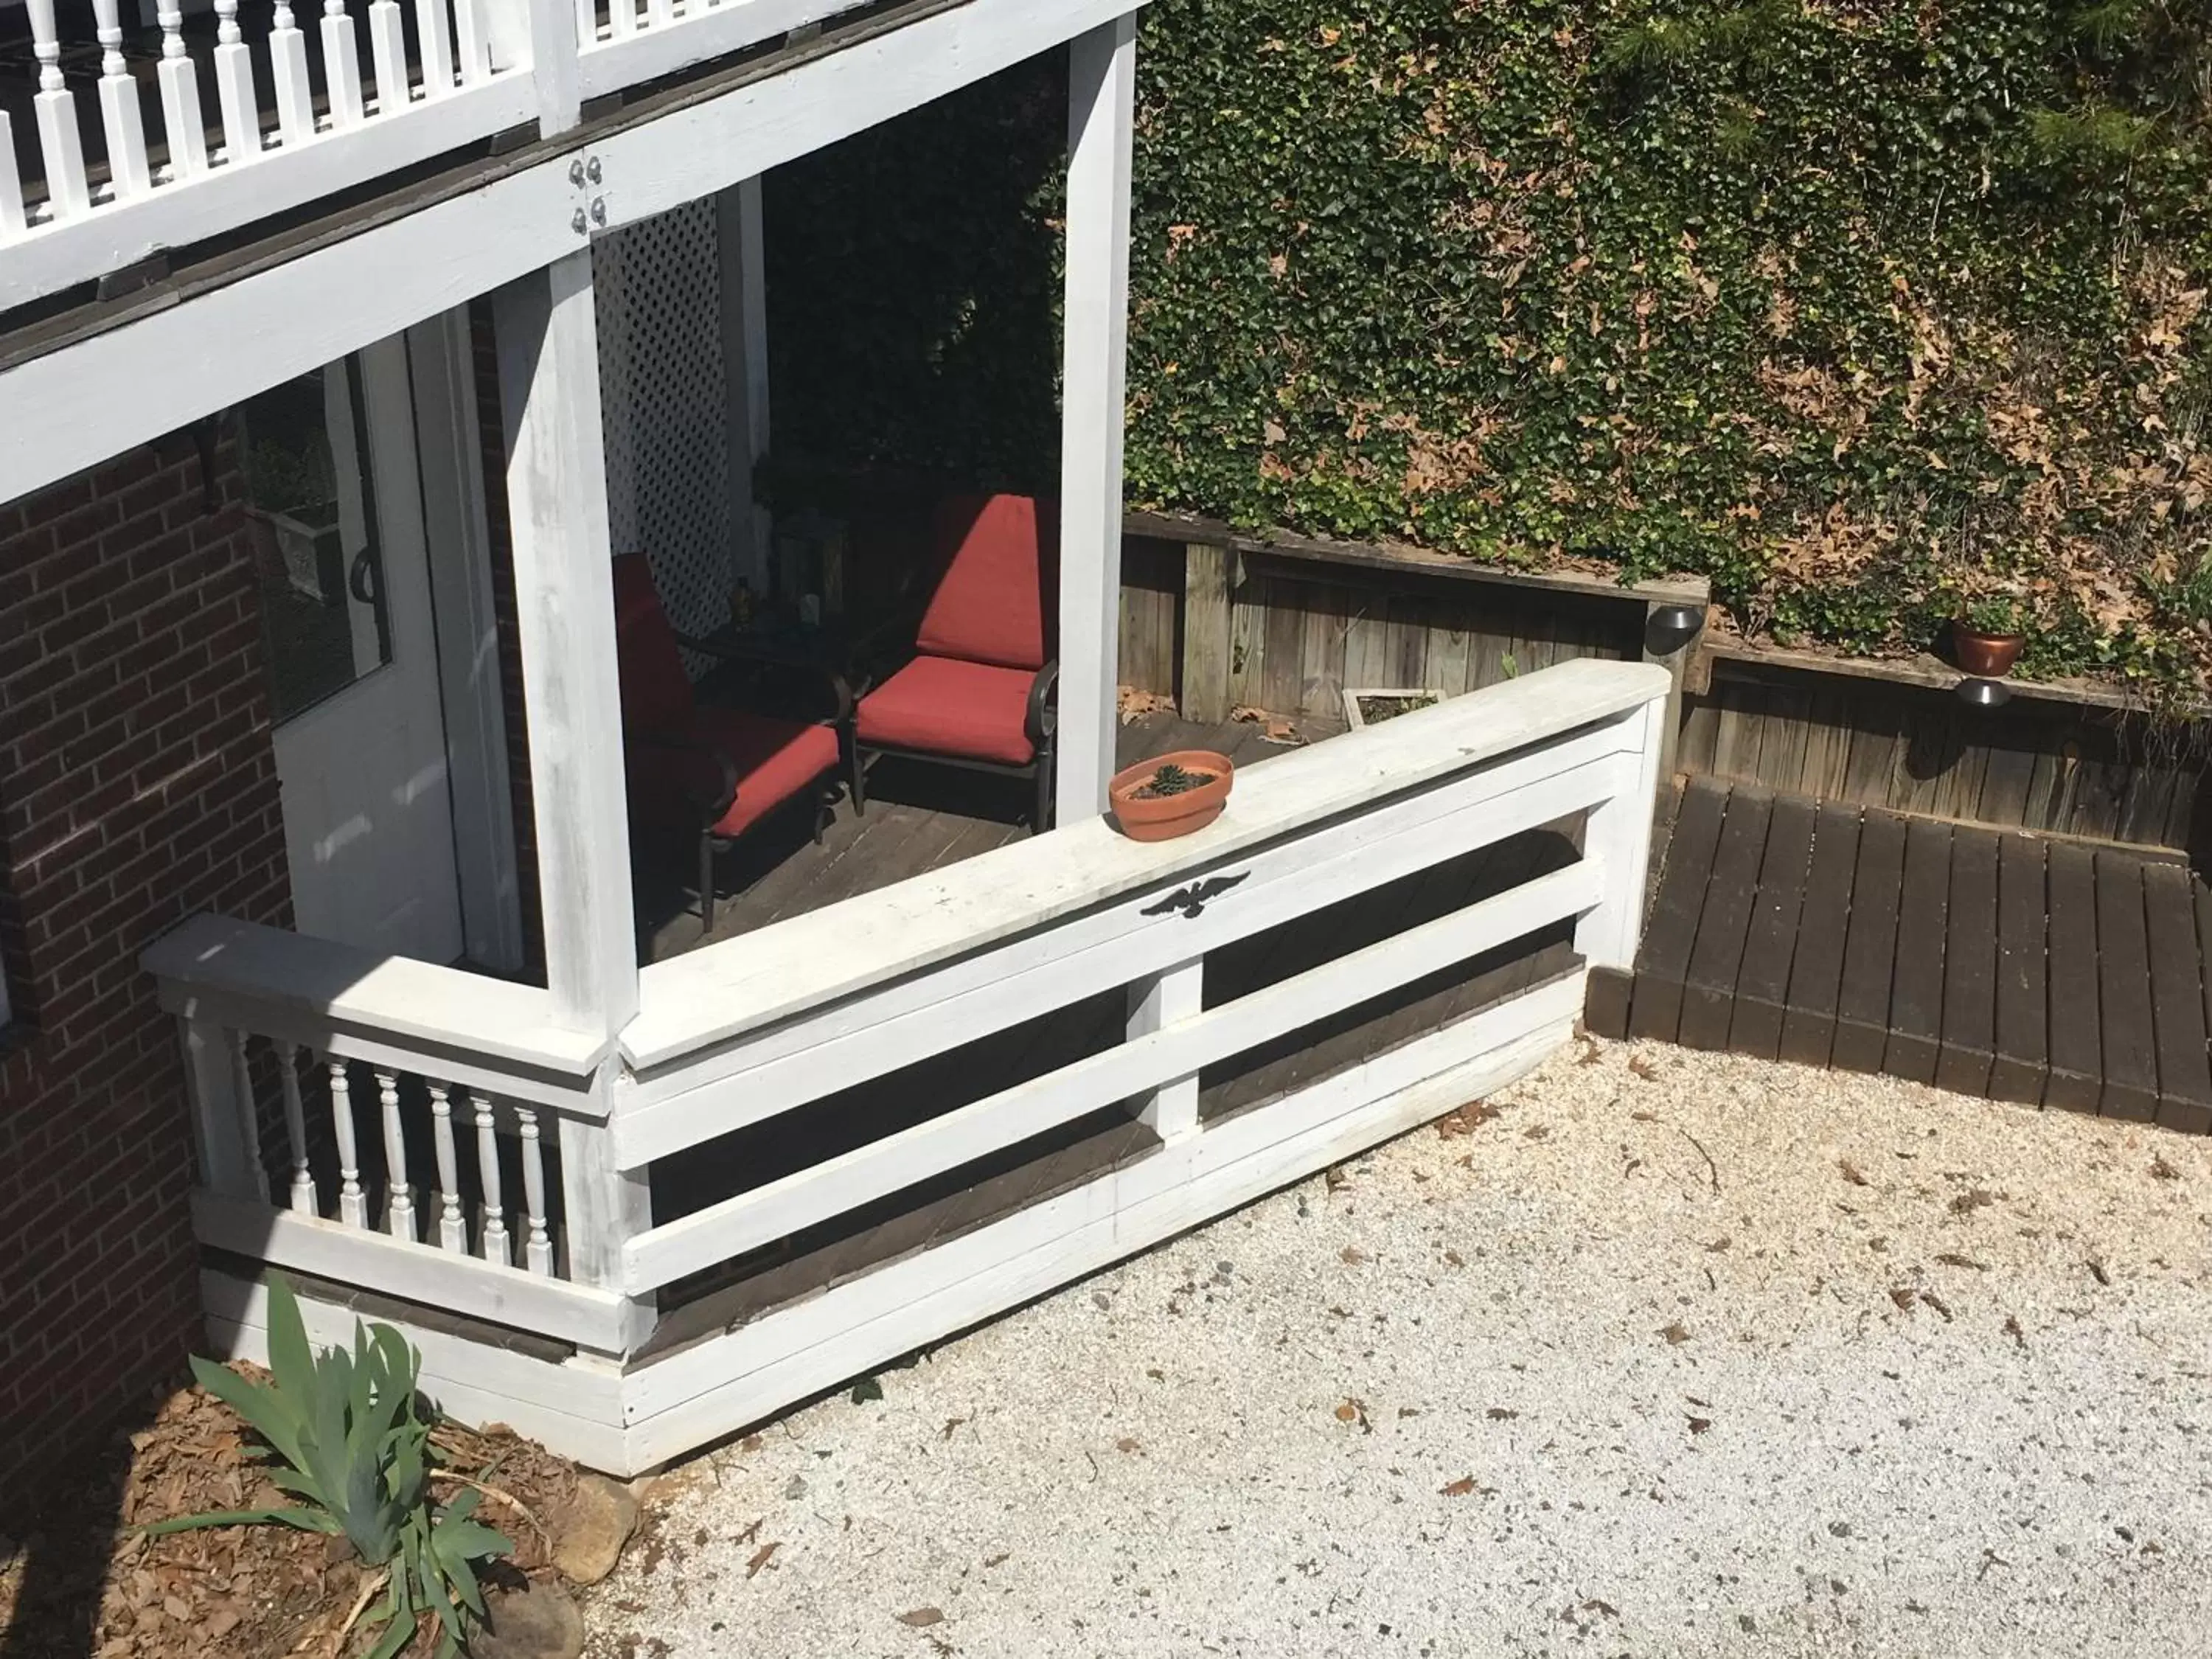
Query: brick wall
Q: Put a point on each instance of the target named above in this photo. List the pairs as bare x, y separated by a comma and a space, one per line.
138, 786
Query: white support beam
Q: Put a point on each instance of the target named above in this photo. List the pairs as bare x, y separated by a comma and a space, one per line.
1155, 1004
1102, 112
1617, 834
745, 371
557, 493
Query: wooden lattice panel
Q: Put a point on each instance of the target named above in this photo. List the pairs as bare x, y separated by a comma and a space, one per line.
665, 404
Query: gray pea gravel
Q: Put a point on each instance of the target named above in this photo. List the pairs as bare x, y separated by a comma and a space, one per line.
1675, 1354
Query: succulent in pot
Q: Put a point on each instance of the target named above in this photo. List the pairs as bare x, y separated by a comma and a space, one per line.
1170, 795
1987, 634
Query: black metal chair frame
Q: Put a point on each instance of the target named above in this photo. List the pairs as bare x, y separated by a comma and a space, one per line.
1040, 723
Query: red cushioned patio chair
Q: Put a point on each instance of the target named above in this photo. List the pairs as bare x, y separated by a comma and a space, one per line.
979, 692
696, 767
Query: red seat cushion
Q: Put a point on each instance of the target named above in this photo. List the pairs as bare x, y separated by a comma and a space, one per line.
944, 706
1002, 561
672, 776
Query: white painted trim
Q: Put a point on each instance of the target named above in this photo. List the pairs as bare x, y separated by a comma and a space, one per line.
1177, 1050
745, 372
1102, 106
1619, 832
400, 1267
441, 354
720, 1385
1156, 1003
700, 33
556, 490
573, 1406
705, 997
864, 1037
225, 967
60, 253
78, 404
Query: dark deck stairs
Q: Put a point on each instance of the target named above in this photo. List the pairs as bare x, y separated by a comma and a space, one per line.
1982, 960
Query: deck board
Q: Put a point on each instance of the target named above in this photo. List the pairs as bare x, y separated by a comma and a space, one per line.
2048, 972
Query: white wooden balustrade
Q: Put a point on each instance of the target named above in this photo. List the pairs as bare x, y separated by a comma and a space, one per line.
780, 1022
169, 181
643, 40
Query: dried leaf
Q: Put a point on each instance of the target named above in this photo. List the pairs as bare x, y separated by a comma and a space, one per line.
1458, 1488
1973, 1199
1351, 1255
1699, 1424
1675, 1335
920, 1618
1851, 1172
760, 1558
1126, 1444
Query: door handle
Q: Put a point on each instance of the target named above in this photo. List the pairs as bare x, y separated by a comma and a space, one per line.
361, 577
1192, 901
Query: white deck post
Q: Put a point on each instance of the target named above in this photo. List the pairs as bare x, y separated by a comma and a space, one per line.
1155, 1004
745, 371
1102, 114
557, 492
1617, 835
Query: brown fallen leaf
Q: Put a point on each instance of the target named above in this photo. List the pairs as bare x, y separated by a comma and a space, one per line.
1500, 1414
1849, 1172
2097, 1271
1591, 1054
1465, 1120
1720, 1244
1353, 1410
1351, 1255
2012, 1330
1953, 1259
748, 1534
1126, 1444
951, 1424
761, 1557
1699, 1424
1458, 1488
999, 1559
2161, 1169
920, 1618
1903, 1295
1643, 1068
1537, 1131
1454, 1259
1936, 1303
1675, 1335
1973, 1199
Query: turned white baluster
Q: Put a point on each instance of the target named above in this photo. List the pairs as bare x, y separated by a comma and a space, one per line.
341, 66
234, 86
496, 1247
180, 96
67, 193
120, 118
12, 220
304, 1200
538, 1251
249, 1118
287, 57
435, 36
399, 1196
660, 13
623, 14
387, 51
353, 1203
587, 19
452, 1219
472, 39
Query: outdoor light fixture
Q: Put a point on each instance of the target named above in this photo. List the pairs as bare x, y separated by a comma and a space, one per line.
1668, 628
1984, 694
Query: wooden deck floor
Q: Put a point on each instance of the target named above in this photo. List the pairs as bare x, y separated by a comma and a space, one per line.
919, 818
1987, 963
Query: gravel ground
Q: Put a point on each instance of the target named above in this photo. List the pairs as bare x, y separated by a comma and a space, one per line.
1661, 1353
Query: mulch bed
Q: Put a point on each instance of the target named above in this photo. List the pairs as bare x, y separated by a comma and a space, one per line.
77, 1581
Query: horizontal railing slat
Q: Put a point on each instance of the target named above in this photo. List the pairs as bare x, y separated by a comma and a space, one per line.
668, 1252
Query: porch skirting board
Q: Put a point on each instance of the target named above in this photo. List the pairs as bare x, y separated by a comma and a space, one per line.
626, 1422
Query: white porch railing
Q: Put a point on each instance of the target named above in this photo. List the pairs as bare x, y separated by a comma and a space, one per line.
781, 1022
644, 39
194, 172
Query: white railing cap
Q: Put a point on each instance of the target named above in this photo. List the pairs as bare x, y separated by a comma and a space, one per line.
708, 995
238, 965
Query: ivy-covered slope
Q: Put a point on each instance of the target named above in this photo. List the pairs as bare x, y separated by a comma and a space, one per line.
1854, 307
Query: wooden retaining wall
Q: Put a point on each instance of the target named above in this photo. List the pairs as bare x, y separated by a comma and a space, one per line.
2069, 761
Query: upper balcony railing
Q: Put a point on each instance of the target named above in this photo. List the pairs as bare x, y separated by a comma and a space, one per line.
149, 136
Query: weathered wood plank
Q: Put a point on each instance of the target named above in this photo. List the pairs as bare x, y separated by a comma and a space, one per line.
2131, 1046
1700, 736
1672, 932
1248, 640
1743, 718
1816, 971
1916, 996
2007, 775
2022, 1061
1870, 945
1321, 675
1875, 740
1970, 964
2177, 997
1282, 682
1763, 981
1206, 633
1731, 895
2076, 1057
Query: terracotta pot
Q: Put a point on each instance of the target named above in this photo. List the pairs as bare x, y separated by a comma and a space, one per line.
1985, 656
1163, 818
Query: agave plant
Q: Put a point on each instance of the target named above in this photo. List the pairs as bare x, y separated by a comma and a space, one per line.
346, 1438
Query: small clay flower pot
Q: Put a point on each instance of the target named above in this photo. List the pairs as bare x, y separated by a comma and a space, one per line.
1985, 656
1163, 818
